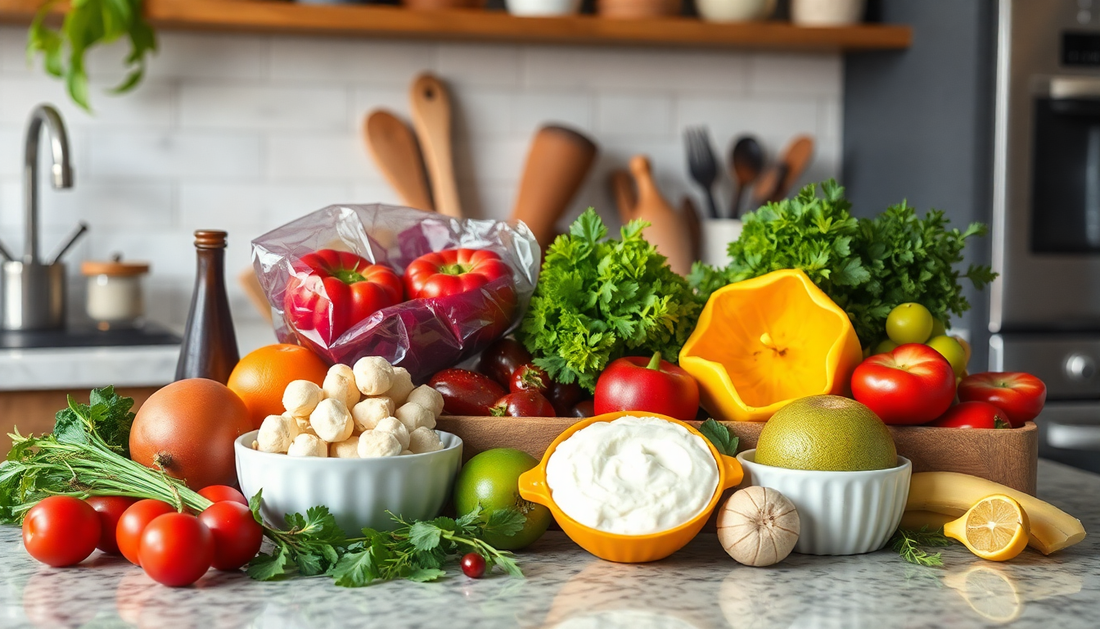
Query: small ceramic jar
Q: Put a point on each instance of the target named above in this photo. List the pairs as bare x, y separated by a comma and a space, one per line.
115, 298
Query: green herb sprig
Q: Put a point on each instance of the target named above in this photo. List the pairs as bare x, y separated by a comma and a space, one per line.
720, 436
907, 543
599, 299
88, 23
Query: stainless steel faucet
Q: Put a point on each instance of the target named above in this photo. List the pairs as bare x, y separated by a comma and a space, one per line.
62, 171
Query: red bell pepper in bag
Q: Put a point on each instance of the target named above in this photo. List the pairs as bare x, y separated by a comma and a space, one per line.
453, 271
333, 290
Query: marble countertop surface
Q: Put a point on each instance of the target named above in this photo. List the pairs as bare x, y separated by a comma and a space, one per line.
565, 587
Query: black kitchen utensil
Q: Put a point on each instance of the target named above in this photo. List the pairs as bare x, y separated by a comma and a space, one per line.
746, 163
701, 164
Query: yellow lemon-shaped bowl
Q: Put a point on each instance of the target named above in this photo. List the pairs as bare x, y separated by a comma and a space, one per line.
763, 342
627, 548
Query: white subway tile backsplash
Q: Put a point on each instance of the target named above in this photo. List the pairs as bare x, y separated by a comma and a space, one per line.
249, 132
231, 106
184, 154
349, 60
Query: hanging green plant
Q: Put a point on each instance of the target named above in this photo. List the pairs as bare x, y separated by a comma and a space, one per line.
88, 23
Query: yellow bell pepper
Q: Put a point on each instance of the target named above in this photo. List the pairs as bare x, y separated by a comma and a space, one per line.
763, 342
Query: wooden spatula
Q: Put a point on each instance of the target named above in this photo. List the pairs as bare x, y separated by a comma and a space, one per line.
431, 114
394, 148
557, 163
667, 230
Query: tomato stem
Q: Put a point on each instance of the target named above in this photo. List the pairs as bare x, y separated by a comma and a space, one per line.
655, 362
348, 276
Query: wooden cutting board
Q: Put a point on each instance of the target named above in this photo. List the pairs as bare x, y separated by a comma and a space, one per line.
1009, 457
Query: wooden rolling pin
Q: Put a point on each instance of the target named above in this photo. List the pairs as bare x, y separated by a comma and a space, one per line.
397, 155
667, 231
557, 163
431, 114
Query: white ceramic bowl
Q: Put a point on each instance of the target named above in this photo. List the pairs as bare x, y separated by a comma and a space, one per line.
734, 10
542, 8
827, 12
358, 492
842, 513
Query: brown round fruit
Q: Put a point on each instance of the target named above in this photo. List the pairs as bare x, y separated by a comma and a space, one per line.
188, 428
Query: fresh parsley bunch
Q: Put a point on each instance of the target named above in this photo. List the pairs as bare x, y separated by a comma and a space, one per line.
867, 266
599, 299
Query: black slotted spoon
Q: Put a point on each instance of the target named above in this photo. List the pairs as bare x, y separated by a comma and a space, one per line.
701, 163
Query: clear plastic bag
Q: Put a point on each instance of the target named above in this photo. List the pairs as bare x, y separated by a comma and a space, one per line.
421, 335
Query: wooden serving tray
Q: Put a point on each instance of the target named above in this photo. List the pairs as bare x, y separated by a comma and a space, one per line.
1006, 456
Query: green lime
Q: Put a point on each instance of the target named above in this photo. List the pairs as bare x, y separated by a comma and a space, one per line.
492, 480
826, 433
885, 347
937, 329
909, 323
950, 349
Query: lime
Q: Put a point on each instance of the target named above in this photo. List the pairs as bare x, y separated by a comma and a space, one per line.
950, 349
909, 323
885, 347
937, 329
491, 479
826, 433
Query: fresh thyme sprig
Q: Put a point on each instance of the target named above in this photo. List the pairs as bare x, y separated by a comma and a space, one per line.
907, 543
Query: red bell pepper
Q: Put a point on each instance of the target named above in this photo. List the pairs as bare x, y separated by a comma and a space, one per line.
636, 383
453, 271
334, 290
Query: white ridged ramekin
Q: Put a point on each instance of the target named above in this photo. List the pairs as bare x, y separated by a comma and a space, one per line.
357, 492
842, 513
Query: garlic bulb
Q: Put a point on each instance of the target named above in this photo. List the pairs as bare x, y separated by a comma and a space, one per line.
758, 526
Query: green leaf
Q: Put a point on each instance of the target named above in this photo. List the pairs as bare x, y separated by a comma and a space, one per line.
719, 435
355, 570
505, 522
421, 575
254, 504
267, 567
424, 536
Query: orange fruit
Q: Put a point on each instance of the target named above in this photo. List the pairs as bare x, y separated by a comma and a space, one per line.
261, 376
188, 428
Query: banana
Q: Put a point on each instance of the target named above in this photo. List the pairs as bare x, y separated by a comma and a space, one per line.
951, 493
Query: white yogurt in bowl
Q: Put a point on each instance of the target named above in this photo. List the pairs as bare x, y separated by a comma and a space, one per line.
632, 476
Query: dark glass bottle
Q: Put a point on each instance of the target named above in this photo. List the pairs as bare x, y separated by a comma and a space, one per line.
209, 347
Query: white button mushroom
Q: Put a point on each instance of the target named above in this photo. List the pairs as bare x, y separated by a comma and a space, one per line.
429, 398
424, 440
394, 425
375, 443
308, 445
331, 420
301, 396
402, 386
370, 411
346, 449
276, 434
303, 425
415, 416
339, 384
406, 452
373, 375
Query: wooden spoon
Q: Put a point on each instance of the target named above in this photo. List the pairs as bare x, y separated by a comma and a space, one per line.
431, 114
557, 163
397, 155
667, 230
778, 180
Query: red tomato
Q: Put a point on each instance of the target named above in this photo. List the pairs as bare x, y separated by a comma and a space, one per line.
223, 493
61, 531
501, 359
636, 383
133, 523
529, 377
176, 549
332, 290
913, 384
523, 404
1020, 395
564, 397
237, 535
109, 509
973, 415
453, 271
466, 392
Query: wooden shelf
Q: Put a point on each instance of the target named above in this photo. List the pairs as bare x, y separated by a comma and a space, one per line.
397, 22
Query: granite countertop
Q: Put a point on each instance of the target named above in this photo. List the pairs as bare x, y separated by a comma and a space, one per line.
566, 587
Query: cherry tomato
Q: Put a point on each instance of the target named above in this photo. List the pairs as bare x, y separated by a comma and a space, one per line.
133, 523
222, 493
237, 535
585, 408
176, 549
1020, 395
473, 565
109, 509
564, 397
61, 531
529, 377
523, 404
973, 415
466, 392
913, 384
501, 359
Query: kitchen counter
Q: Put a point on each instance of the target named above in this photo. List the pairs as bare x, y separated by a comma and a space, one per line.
566, 587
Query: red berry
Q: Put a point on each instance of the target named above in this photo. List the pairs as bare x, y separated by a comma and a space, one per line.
473, 565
